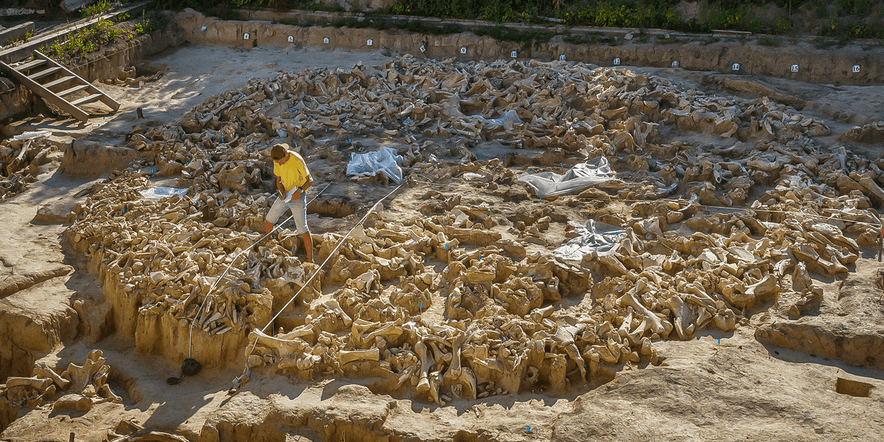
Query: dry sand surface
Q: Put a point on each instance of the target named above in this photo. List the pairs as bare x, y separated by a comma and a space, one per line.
730, 378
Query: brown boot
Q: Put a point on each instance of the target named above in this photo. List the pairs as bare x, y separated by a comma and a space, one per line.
308, 246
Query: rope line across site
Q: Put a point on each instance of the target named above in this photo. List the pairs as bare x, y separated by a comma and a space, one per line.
239, 380
233, 261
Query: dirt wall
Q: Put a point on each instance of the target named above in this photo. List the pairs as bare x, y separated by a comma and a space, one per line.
31, 337
14, 99
857, 348
814, 65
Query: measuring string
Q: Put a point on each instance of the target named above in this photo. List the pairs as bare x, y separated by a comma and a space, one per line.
239, 379
224, 273
316, 272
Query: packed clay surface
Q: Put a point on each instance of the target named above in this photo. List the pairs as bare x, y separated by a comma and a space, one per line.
573, 252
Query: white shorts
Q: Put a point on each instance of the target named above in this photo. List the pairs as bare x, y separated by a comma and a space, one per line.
298, 208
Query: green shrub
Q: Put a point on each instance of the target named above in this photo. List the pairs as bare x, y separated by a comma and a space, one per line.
526, 38
97, 8
642, 14
86, 40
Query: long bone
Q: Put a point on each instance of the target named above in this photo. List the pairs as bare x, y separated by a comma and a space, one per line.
457, 376
649, 319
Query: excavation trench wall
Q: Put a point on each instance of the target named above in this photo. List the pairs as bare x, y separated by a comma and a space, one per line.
863, 349
153, 333
814, 65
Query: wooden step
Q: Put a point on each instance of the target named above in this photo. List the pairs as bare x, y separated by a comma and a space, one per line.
47, 95
30, 65
74, 89
87, 99
76, 84
61, 80
45, 73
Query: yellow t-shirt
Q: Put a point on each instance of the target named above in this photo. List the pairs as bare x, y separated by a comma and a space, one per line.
293, 173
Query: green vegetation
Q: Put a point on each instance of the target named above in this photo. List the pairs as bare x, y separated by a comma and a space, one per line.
845, 19
220, 8
97, 8
526, 38
423, 28
104, 32
841, 19
594, 37
24, 39
86, 40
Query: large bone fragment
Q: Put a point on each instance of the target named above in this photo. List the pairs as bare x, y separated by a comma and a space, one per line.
765, 288
81, 376
346, 357
649, 319
459, 379
47, 372
810, 296
425, 385
37, 383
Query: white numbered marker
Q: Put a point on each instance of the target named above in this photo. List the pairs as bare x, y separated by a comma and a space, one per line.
203, 29
617, 61
463, 49
369, 42
245, 36
291, 39
514, 54
325, 40
735, 67
423, 48
675, 63
856, 69
793, 68
562, 57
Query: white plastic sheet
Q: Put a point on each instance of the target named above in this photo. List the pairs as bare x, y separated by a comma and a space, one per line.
594, 237
385, 161
579, 177
507, 119
160, 192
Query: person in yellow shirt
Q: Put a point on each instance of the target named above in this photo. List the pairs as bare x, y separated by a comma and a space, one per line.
292, 181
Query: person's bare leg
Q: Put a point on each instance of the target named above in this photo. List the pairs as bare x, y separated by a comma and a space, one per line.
308, 246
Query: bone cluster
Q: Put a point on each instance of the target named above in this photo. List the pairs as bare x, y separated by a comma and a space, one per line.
79, 386
165, 256
497, 332
451, 303
20, 162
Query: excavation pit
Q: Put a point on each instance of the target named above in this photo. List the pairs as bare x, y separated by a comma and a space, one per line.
852, 387
448, 315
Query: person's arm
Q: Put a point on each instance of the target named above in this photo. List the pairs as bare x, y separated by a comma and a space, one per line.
280, 188
306, 185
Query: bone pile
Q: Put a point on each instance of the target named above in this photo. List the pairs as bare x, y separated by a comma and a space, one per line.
20, 162
708, 232
167, 258
78, 387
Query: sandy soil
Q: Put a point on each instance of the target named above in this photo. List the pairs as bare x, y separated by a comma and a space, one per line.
720, 386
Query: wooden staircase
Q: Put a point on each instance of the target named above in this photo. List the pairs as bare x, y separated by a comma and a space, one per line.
58, 85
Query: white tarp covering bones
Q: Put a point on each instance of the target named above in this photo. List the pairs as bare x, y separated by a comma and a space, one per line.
579, 177
385, 161
593, 237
